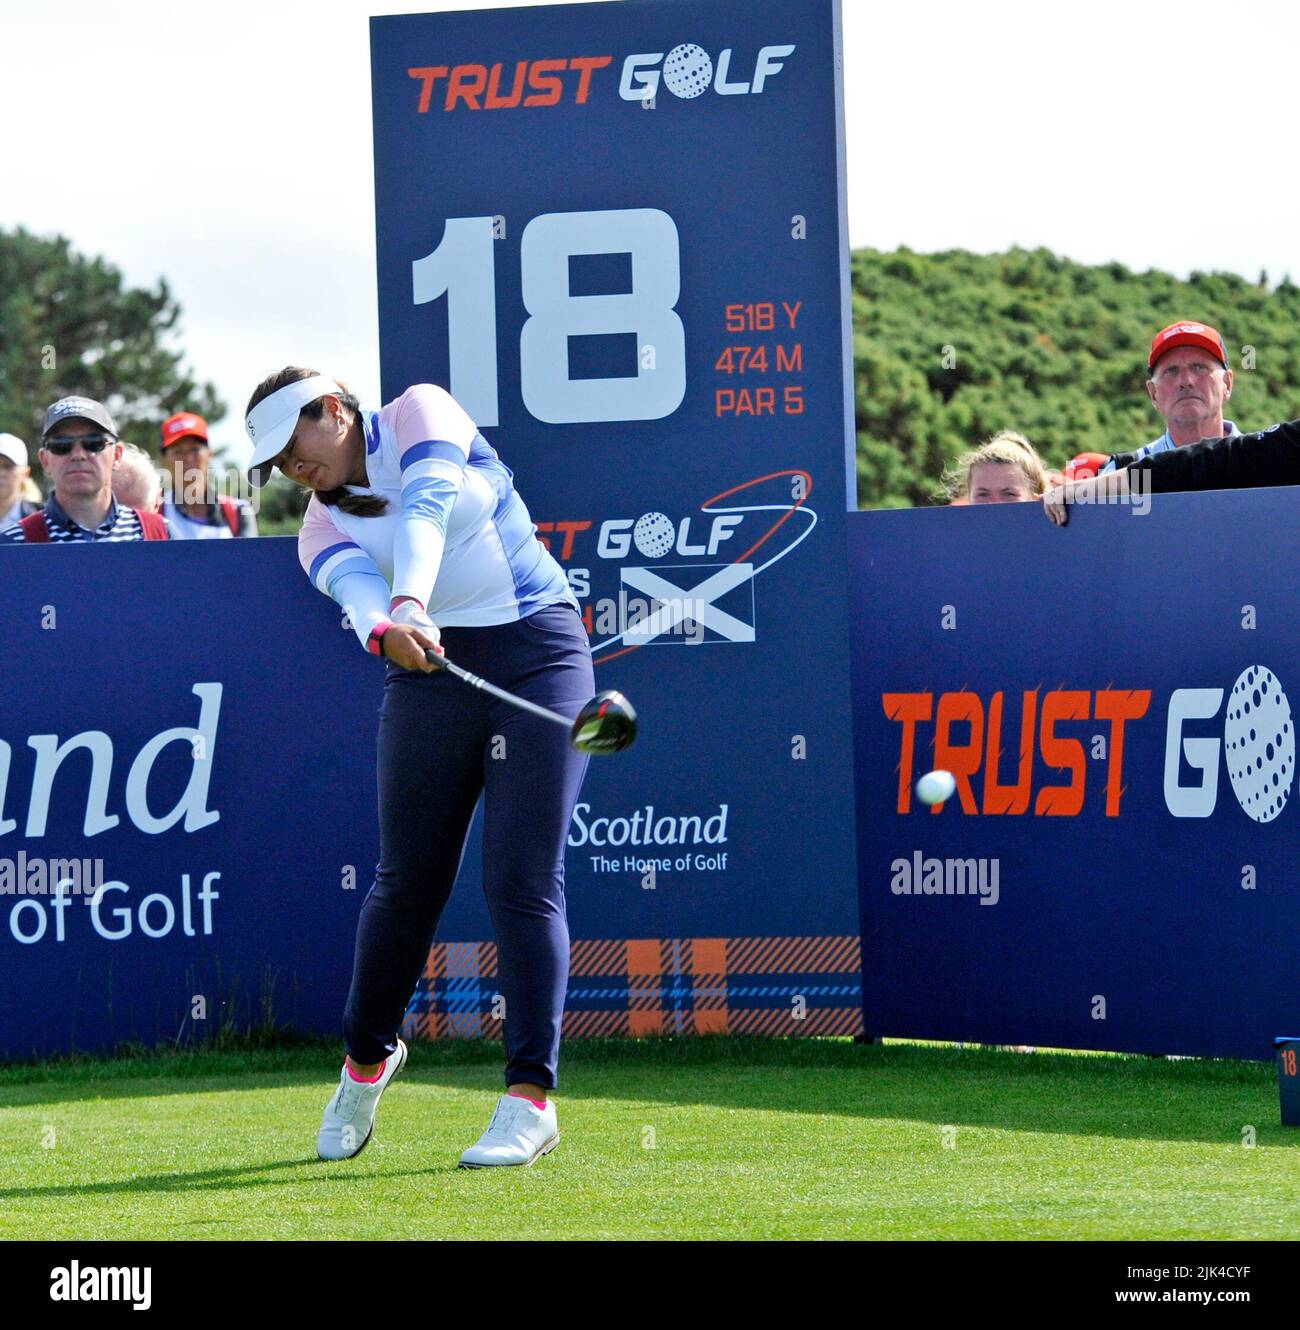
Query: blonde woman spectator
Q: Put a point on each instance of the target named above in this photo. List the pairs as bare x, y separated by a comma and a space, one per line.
1006, 469
135, 480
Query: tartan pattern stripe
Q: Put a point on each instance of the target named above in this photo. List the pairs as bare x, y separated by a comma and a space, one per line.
645, 986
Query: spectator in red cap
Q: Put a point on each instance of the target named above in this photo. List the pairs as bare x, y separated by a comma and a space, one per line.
190, 508
1188, 383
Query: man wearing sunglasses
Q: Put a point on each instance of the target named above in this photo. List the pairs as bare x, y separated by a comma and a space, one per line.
79, 449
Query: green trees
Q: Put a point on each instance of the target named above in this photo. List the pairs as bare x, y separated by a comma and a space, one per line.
281, 505
69, 325
950, 348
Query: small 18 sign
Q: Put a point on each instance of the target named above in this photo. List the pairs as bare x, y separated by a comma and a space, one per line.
1288, 1080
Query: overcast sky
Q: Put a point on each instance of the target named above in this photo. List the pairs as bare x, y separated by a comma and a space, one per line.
153, 134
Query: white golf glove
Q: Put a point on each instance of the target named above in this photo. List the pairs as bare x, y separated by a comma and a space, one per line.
410, 615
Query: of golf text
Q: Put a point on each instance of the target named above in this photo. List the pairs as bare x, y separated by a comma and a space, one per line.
116, 915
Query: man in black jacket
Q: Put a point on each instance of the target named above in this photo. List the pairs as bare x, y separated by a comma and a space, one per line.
1241, 461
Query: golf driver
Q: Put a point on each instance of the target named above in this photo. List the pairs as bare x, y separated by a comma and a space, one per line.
606, 724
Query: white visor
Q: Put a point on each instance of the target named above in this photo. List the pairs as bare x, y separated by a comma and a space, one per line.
271, 422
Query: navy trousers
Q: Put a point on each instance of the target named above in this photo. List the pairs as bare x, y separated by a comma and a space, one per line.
441, 745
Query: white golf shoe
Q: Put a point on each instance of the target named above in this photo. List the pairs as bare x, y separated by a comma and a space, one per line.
519, 1133
349, 1120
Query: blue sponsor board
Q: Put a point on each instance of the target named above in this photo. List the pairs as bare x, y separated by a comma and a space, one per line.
1119, 866
188, 824
188, 748
616, 233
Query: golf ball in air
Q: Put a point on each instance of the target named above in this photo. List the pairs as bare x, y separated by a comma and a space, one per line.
1259, 735
935, 787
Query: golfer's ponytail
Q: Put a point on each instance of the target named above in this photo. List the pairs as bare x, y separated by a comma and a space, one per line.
359, 505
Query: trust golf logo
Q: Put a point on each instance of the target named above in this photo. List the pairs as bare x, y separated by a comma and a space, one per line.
688, 71
1065, 735
476, 86
98, 1283
975, 737
696, 584
1258, 745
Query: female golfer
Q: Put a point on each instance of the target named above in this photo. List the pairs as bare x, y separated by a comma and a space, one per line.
414, 522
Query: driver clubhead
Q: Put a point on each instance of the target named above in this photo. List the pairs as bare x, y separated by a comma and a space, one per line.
606, 724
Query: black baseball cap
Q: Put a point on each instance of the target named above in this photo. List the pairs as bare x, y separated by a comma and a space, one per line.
78, 408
